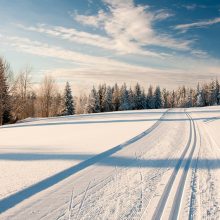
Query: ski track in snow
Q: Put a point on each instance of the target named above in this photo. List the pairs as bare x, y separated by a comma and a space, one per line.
171, 171
209, 179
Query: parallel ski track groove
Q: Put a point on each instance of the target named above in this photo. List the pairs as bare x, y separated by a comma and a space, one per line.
134, 212
178, 197
138, 137
163, 200
16, 198
194, 182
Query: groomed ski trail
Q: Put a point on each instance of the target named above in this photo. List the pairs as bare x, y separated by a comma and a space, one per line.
164, 173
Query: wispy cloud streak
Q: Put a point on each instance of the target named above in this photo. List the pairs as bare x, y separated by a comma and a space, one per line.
198, 24
81, 37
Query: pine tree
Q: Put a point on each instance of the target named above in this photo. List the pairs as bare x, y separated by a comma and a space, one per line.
124, 100
108, 100
150, 98
4, 96
199, 101
189, 100
68, 100
93, 102
101, 93
138, 97
131, 98
183, 97
212, 94
217, 92
205, 94
116, 98
157, 98
172, 99
197, 94
165, 95
143, 100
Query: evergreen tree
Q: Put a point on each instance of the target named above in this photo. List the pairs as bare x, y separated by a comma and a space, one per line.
173, 100
4, 96
138, 97
217, 92
116, 97
143, 100
108, 100
189, 101
124, 101
93, 102
101, 94
165, 95
157, 98
131, 98
212, 94
199, 101
205, 94
150, 98
197, 94
68, 100
184, 99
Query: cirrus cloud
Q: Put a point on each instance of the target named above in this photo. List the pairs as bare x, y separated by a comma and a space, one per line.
198, 24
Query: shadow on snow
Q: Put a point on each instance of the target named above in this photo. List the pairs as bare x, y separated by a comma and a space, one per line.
205, 119
105, 159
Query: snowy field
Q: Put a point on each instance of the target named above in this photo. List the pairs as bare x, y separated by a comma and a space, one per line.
122, 165
36, 149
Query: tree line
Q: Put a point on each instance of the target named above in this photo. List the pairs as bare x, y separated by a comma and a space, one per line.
106, 98
19, 100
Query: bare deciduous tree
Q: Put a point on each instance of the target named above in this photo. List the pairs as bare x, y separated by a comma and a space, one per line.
81, 102
46, 94
57, 103
22, 91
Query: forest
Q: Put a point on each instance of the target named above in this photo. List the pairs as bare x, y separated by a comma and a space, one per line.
20, 100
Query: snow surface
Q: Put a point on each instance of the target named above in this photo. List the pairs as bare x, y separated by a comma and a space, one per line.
165, 169
39, 148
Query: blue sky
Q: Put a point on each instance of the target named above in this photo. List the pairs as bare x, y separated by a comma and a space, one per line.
91, 41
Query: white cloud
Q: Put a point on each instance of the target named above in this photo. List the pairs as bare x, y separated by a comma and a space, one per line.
162, 15
198, 24
119, 3
200, 53
190, 7
84, 78
71, 34
81, 37
130, 26
128, 30
92, 20
88, 67
92, 69
42, 49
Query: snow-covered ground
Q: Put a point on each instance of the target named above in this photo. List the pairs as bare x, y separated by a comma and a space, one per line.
167, 168
38, 148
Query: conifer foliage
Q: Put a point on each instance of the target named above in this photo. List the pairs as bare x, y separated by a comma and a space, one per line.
4, 95
119, 98
93, 105
68, 100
